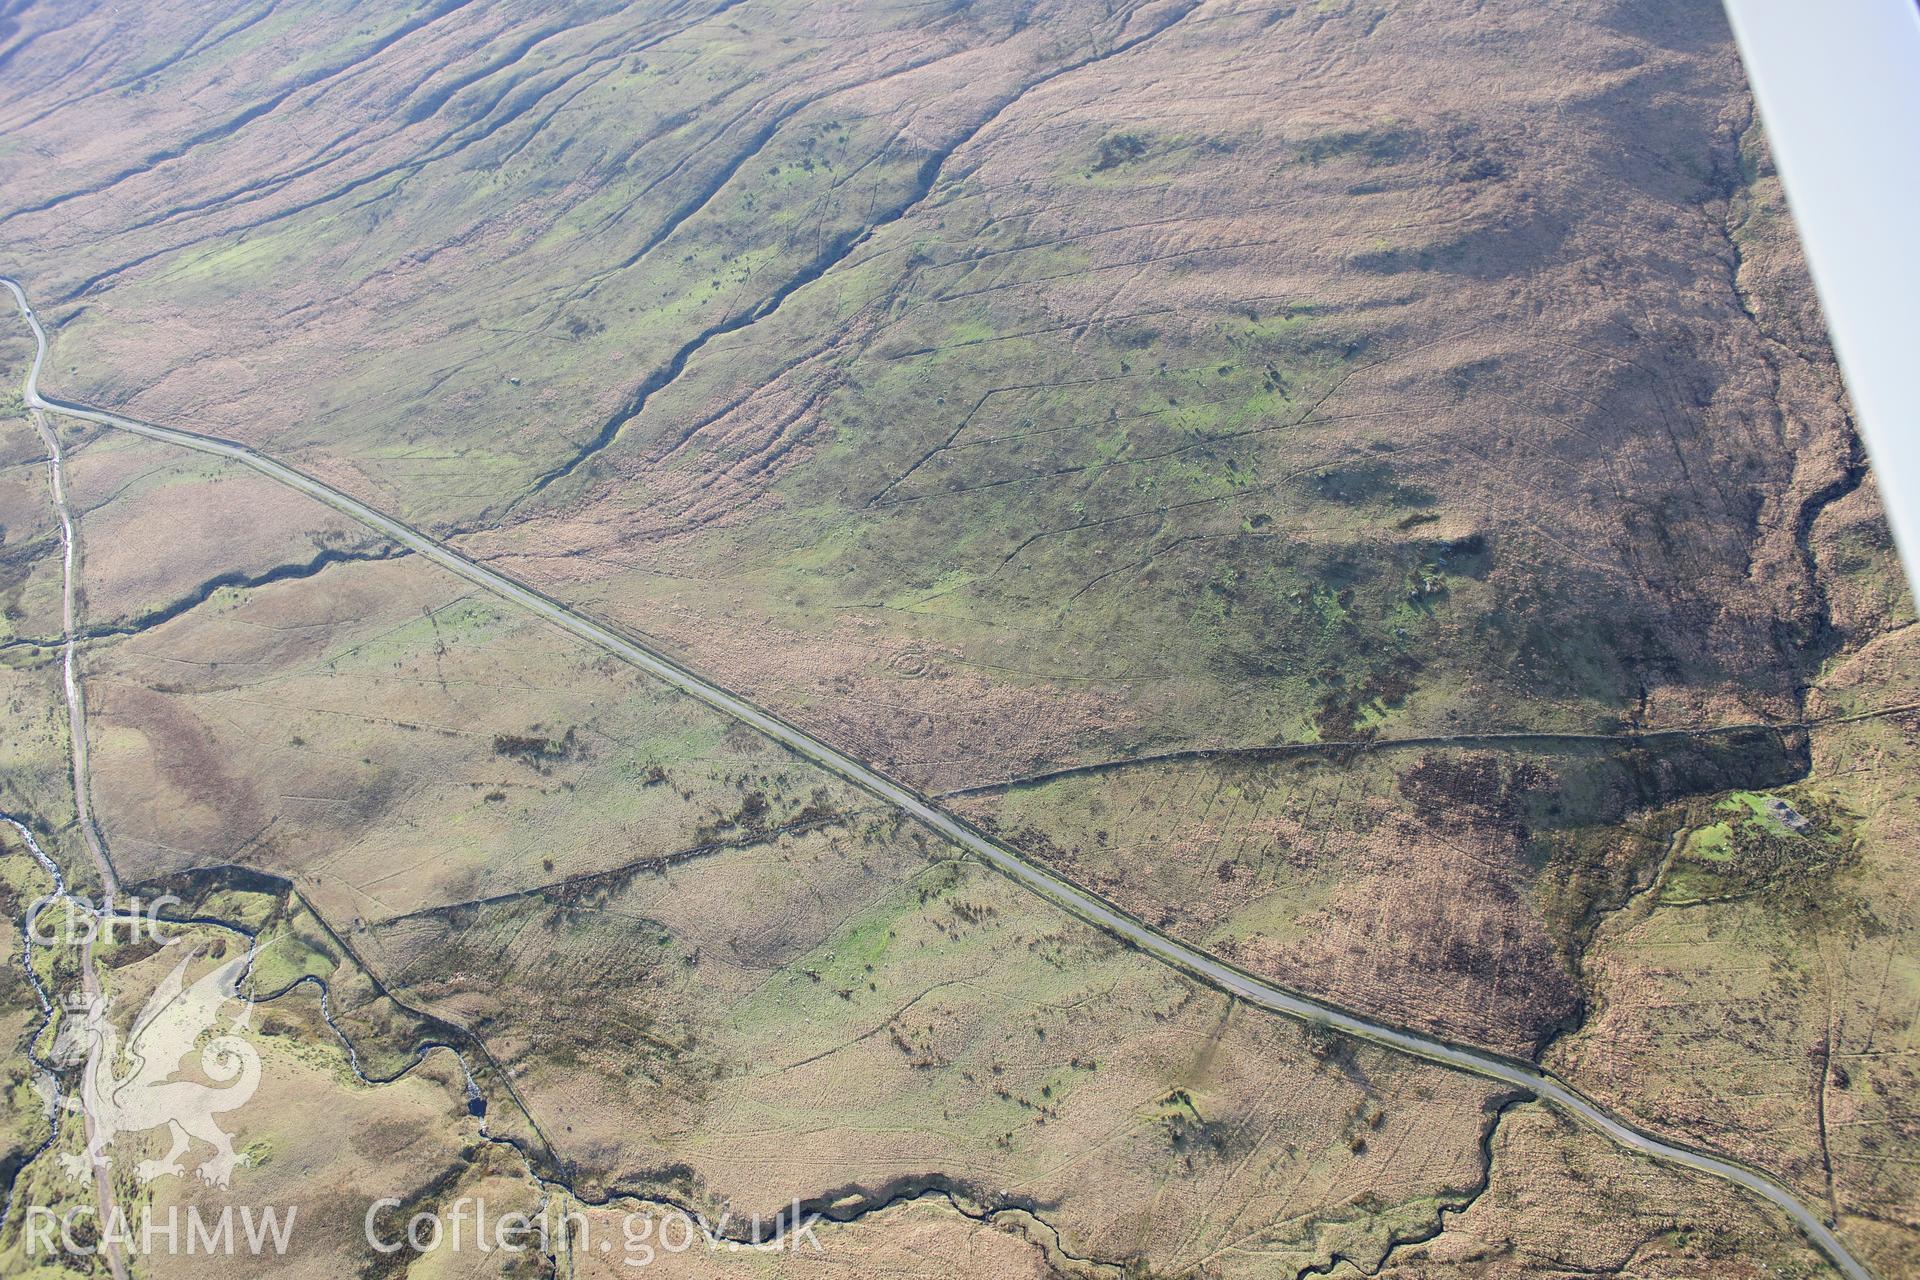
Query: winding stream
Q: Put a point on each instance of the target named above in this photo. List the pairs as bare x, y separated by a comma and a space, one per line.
1079, 901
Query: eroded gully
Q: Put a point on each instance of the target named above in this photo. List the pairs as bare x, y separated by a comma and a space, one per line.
1071, 897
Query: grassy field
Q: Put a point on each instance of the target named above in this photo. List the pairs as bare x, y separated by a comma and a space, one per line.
1554, 1194
166, 530
925, 353
1007, 394
736, 984
36, 783
26, 1124
1762, 996
312, 1136
1452, 885
407, 744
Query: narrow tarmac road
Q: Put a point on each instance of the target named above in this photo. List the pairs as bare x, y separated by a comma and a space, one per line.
75, 694
1078, 901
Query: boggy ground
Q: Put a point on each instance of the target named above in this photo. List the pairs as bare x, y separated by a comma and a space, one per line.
369, 725
1761, 995
825, 1006
35, 771
315, 1144
1183, 375
1451, 887
994, 391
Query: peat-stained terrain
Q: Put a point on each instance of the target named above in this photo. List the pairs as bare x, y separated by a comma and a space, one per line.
1363, 487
